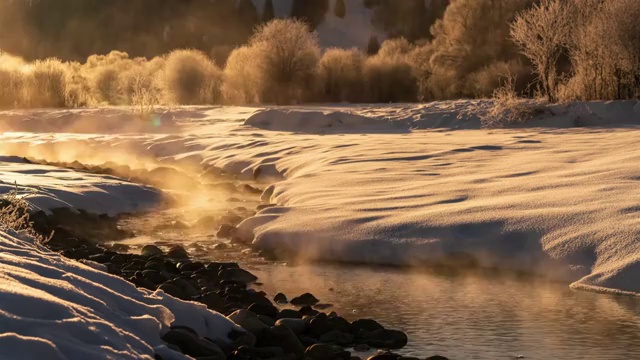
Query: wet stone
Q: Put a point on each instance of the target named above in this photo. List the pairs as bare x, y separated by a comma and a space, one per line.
177, 252
280, 298
151, 250
306, 299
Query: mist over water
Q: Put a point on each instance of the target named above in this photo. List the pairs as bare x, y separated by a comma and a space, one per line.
463, 315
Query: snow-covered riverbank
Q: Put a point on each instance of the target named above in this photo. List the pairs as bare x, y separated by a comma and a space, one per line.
365, 184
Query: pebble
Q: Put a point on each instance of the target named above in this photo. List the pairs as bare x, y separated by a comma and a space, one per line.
298, 326
177, 252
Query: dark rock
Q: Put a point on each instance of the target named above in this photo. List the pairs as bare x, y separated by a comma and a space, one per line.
437, 357
297, 325
307, 340
289, 314
319, 326
304, 300
151, 250
384, 356
189, 290
248, 321
177, 252
155, 265
119, 247
190, 266
340, 323
308, 311
117, 259
320, 352
386, 339
226, 231
101, 258
213, 301
190, 344
154, 276
364, 326
172, 290
237, 275
267, 320
40, 221
280, 298
283, 337
337, 337
264, 309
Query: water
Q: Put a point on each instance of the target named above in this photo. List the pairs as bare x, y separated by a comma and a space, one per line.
461, 316
467, 316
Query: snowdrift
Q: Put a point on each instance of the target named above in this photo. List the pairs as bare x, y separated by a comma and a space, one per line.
48, 187
319, 122
554, 197
55, 308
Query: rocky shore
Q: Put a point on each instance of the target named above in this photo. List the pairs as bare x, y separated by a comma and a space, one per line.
277, 328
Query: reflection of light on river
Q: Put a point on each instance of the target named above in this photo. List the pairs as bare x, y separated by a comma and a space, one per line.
473, 316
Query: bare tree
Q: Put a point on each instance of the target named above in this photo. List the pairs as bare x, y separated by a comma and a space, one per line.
542, 33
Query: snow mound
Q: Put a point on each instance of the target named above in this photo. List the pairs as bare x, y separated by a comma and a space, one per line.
48, 187
103, 121
55, 308
319, 122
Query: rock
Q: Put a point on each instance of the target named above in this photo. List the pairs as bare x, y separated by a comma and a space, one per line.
323, 306
213, 301
151, 250
386, 339
189, 290
155, 265
289, 314
248, 321
408, 358
283, 337
319, 352
340, 323
172, 290
362, 348
305, 300
384, 356
267, 320
117, 259
119, 247
298, 326
237, 275
264, 309
363, 326
154, 276
309, 311
280, 298
177, 252
319, 326
437, 357
337, 337
190, 266
226, 231
245, 339
190, 344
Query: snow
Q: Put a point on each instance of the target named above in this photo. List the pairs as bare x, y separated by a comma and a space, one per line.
48, 187
412, 184
55, 308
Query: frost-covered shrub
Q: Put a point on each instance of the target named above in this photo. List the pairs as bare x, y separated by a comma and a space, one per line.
241, 77
389, 80
286, 55
191, 78
341, 75
47, 84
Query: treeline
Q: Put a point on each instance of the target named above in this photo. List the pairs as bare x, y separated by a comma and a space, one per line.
76, 29
553, 49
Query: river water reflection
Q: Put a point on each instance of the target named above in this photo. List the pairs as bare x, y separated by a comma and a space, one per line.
472, 316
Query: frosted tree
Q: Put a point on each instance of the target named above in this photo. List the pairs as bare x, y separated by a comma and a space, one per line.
542, 32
